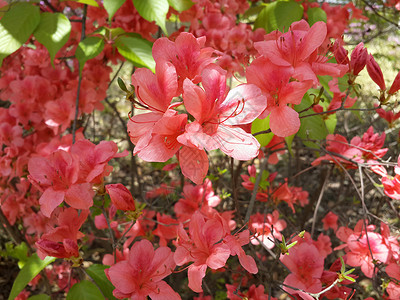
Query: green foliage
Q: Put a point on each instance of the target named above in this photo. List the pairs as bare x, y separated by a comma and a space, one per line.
16, 27
155, 10
136, 50
32, 267
311, 128
259, 125
343, 275
53, 32
87, 49
279, 15
19, 252
112, 6
84, 290
181, 5
264, 183
285, 247
289, 141
88, 2
316, 14
97, 273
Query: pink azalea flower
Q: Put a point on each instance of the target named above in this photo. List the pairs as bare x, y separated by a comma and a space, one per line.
330, 221
370, 144
391, 184
61, 241
57, 176
389, 116
254, 293
297, 50
141, 274
187, 54
216, 111
360, 249
306, 265
337, 143
235, 243
167, 228
281, 93
94, 159
195, 197
393, 289
267, 228
203, 247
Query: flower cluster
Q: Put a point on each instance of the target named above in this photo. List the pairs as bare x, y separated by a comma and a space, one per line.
209, 116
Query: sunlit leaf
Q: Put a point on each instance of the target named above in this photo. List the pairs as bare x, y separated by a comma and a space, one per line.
154, 10
136, 50
87, 49
279, 15
16, 27
53, 32
31, 268
84, 290
112, 6
97, 273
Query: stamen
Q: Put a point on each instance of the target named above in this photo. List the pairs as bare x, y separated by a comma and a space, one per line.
235, 113
149, 106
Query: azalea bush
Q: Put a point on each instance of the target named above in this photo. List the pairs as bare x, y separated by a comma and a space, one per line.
199, 149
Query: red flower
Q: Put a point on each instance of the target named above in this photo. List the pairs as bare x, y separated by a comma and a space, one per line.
61, 241
121, 197
141, 275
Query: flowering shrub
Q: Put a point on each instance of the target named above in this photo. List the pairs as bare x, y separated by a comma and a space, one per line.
249, 161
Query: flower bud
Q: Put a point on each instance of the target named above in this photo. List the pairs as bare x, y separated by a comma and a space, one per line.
358, 59
395, 85
375, 72
340, 54
120, 197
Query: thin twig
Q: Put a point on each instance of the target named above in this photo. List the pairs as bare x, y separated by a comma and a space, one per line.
321, 194
83, 34
263, 165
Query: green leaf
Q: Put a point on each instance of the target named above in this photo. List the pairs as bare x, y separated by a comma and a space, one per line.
349, 271
289, 141
349, 278
40, 297
316, 14
343, 267
262, 125
136, 50
53, 32
181, 5
312, 127
122, 85
279, 15
253, 12
154, 10
330, 123
87, 49
16, 27
31, 268
97, 273
84, 290
88, 2
112, 6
